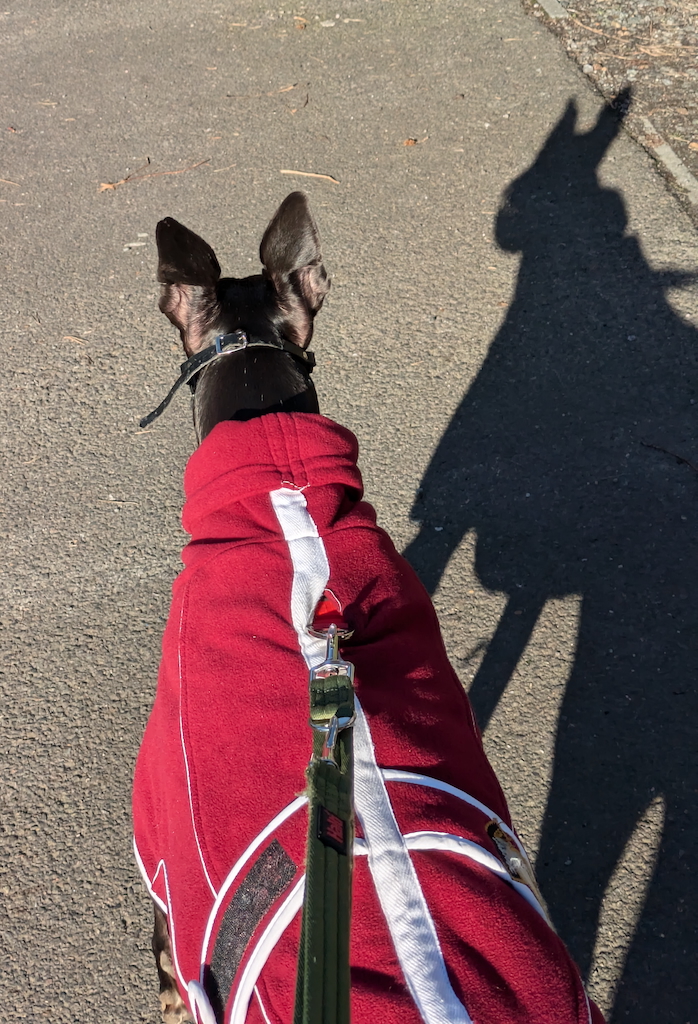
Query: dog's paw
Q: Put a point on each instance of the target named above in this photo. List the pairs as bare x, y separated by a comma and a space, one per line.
173, 1008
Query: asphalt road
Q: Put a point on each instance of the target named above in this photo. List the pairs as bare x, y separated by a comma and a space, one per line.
511, 366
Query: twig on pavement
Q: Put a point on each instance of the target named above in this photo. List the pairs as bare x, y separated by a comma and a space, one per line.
105, 186
679, 458
310, 174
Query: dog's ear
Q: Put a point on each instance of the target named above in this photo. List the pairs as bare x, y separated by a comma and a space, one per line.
290, 252
188, 271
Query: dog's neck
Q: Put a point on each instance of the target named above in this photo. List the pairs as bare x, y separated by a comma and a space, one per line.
251, 383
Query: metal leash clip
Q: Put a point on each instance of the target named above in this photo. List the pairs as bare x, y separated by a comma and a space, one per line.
334, 680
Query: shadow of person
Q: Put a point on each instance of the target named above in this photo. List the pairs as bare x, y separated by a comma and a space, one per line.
549, 459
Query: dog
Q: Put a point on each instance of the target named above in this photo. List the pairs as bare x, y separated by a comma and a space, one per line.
447, 925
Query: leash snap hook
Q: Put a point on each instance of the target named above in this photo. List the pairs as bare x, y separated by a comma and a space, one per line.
332, 729
334, 679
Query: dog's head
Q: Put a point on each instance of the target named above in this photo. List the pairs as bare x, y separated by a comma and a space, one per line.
281, 302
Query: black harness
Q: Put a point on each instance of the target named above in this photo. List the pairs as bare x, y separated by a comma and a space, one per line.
225, 345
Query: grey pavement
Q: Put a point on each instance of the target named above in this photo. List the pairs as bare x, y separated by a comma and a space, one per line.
514, 366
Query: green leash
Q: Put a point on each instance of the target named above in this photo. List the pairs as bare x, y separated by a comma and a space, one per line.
323, 983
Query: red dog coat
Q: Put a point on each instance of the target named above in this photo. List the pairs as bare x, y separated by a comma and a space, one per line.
441, 931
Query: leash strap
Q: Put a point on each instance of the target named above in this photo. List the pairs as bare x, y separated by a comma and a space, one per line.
323, 981
224, 345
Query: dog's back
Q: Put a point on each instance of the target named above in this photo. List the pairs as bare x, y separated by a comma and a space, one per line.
443, 929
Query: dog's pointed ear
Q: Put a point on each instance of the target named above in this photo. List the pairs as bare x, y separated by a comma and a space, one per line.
290, 252
188, 271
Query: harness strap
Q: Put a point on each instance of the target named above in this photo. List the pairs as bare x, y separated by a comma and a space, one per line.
225, 344
323, 980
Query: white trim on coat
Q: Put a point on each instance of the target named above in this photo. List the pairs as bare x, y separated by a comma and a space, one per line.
402, 901
398, 775
166, 908
450, 843
405, 909
311, 570
199, 1004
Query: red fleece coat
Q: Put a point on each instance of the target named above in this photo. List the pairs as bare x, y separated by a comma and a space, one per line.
441, 932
